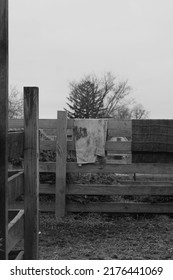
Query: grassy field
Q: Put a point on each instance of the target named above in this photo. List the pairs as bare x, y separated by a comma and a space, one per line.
106, 236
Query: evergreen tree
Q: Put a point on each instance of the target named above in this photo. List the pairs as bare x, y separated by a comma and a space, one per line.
96, 98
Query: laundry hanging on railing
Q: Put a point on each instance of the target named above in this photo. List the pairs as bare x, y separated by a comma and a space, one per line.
90, 139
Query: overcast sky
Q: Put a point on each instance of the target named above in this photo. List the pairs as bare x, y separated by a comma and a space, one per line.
53, 42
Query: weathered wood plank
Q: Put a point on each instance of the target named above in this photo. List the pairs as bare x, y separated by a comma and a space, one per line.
43, 206
16, 205
155, 177
118, 147
15, 144
70, 123
144, 168
121, 147
145, 182
151, 168
31, 173
47, 189
128, 207
15, 230
120, 133
120, 207
129, 188
119, 190
3, 126
42, 123
15, 169
124, 127
47, 167
20, 256
47, 123
150, 189
15, 186
61, 155
118, 125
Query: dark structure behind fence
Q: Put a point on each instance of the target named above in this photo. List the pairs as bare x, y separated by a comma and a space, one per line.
152, 141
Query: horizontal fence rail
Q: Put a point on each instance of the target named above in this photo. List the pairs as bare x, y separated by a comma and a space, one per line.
163, 189
150, 168
124, 207
118, 147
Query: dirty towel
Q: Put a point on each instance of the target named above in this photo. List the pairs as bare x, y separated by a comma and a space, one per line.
90, 138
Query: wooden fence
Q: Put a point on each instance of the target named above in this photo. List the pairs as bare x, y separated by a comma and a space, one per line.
150, 185
22, 222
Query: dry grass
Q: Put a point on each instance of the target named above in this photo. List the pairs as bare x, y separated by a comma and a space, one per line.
106, 236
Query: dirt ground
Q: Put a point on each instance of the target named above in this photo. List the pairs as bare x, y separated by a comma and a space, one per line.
95, 236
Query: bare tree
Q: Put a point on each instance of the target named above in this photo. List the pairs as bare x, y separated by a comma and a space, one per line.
122, 113
116, 101
131, 111
15, 104
139, 112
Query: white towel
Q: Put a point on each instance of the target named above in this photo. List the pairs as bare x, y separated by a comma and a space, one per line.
90, 138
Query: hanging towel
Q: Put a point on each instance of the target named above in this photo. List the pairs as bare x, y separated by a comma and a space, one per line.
90, 138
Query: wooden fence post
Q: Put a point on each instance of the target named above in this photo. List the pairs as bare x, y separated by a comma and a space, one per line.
3, 127
61, 153
31, 173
